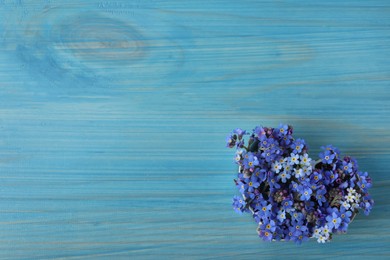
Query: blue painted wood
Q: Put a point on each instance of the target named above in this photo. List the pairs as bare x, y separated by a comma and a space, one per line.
113, 116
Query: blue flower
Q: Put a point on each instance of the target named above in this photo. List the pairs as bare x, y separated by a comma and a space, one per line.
282, 130
320, 196
305, 192
298, 239
261, 174
287, 205
347, 167
266, 235
297, 145
364, 182
327, 157
250, 161
268, 225
345, 215
367, 204
240, 133
291, 196
273, 182
316, 176
286, 140
332, 149
252, 183
239, 204
231, 140
330, 177
333, 221
264, 209
259, 131
297, 216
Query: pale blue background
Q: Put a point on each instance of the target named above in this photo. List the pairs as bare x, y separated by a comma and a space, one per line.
113, 117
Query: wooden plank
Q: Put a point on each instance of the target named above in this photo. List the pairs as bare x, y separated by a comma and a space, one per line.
113, 116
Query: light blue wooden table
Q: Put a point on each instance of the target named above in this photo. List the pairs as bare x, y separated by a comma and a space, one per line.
113, 117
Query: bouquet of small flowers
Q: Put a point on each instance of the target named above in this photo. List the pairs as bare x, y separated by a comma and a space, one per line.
291, 196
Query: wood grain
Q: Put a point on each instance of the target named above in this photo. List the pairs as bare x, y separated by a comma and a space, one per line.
113, 116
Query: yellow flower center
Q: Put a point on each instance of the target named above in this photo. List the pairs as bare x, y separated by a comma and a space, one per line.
250, 183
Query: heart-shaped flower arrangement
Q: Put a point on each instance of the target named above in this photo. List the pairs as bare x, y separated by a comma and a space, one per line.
290, 196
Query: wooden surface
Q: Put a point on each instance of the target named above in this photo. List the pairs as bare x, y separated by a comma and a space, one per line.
113, 118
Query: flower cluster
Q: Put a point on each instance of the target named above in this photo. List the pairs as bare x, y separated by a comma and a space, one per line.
291, 196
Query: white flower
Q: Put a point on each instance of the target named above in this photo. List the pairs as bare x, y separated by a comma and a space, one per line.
317, 232
350, 198
305, 159
345, 204
283, 160
354, 206
321, 239
276, 166
294, 159
358, 196
299, 173
351, 191
307, 170
238, 155
325, 231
